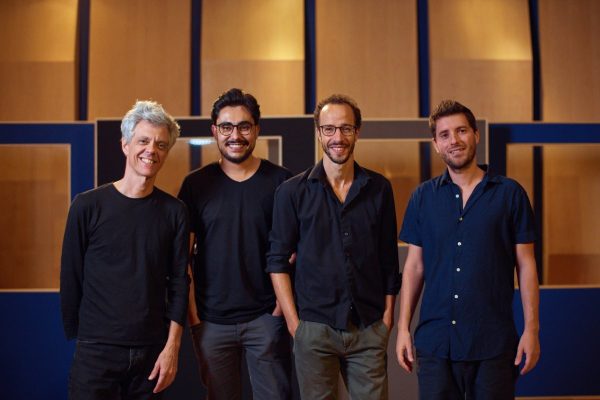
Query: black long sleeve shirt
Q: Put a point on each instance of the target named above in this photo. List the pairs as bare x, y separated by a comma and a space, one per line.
347, 254
124, 267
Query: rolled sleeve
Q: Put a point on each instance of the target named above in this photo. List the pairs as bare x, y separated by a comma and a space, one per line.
283, 237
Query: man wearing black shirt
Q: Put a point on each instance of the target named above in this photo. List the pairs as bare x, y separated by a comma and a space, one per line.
123, 280
467, 230
232, 307
339, 219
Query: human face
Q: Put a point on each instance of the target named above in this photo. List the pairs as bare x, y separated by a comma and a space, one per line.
237, 147
338, 148
455, 141
147, 150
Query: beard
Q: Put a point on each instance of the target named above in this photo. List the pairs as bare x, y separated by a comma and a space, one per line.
459, 164
238, 158
334, 158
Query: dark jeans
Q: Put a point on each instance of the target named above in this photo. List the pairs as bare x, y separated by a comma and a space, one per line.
105, 371
219, 349
440, 378
321, 353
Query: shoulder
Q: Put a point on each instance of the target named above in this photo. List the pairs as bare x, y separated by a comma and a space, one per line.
509, 185
167, 199
207, 172
294, 184
376, 177
278, 172
93, 196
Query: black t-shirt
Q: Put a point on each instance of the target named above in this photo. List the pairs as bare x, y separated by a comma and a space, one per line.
124, 267
231, 221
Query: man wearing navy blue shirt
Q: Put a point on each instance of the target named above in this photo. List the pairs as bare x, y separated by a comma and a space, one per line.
339, 219
467, 230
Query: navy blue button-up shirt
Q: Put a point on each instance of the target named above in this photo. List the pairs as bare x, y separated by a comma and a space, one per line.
347, 253
469, 261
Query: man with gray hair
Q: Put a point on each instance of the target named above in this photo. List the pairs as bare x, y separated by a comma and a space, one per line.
123, 281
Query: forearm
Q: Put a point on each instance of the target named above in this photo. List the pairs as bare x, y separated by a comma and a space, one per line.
412, 285
530, 298
174, 337
528, 286
282, 284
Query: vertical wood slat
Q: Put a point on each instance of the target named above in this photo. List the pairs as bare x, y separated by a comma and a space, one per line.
37, 60
257, 46
369, 51
480, 55
139, 49
570, 57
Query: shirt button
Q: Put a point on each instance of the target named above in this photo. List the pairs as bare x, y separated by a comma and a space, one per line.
459, 243
453, 322
460, 219
457, 196
346, 233
457, 269
456, 296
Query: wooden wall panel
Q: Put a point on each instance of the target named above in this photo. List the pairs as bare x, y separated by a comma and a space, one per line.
139, 49
480, 55
34, 186
519, 166
368, 50
571, 214
570, 60
258, 46
37, 60
397, 160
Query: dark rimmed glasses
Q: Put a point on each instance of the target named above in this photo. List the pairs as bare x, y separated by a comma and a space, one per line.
329, 130
226, 128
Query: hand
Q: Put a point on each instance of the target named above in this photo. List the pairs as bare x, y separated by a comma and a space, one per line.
292, 259
404, 350
388, 321
529, 345
293, 326
277, 312
165, 368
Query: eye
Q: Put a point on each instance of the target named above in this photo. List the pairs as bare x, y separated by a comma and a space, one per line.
245, 126
163, 146
347, 129
143, 141
328, 130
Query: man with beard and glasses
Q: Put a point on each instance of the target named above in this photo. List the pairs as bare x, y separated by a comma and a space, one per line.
339, 218
233, 310
467, 230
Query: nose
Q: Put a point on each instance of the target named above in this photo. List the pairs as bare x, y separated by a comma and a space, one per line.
235, 131
454, 137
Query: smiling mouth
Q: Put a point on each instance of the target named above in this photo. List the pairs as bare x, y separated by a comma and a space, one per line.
236, 145
147, 161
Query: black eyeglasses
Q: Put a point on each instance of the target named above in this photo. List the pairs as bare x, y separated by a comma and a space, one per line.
226, 128
329, 130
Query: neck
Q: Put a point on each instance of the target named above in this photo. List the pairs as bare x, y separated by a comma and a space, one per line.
135, 188
467, 176
339, 174
242, 171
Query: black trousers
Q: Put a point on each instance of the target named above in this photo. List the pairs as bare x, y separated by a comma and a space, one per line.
104, 371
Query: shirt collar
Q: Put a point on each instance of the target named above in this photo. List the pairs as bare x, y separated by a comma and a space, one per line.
489, 176
317, 173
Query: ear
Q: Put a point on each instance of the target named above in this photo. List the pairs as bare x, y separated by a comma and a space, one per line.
477, 136
318, 135
213, 129
435, 146
257, 130
124, 147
